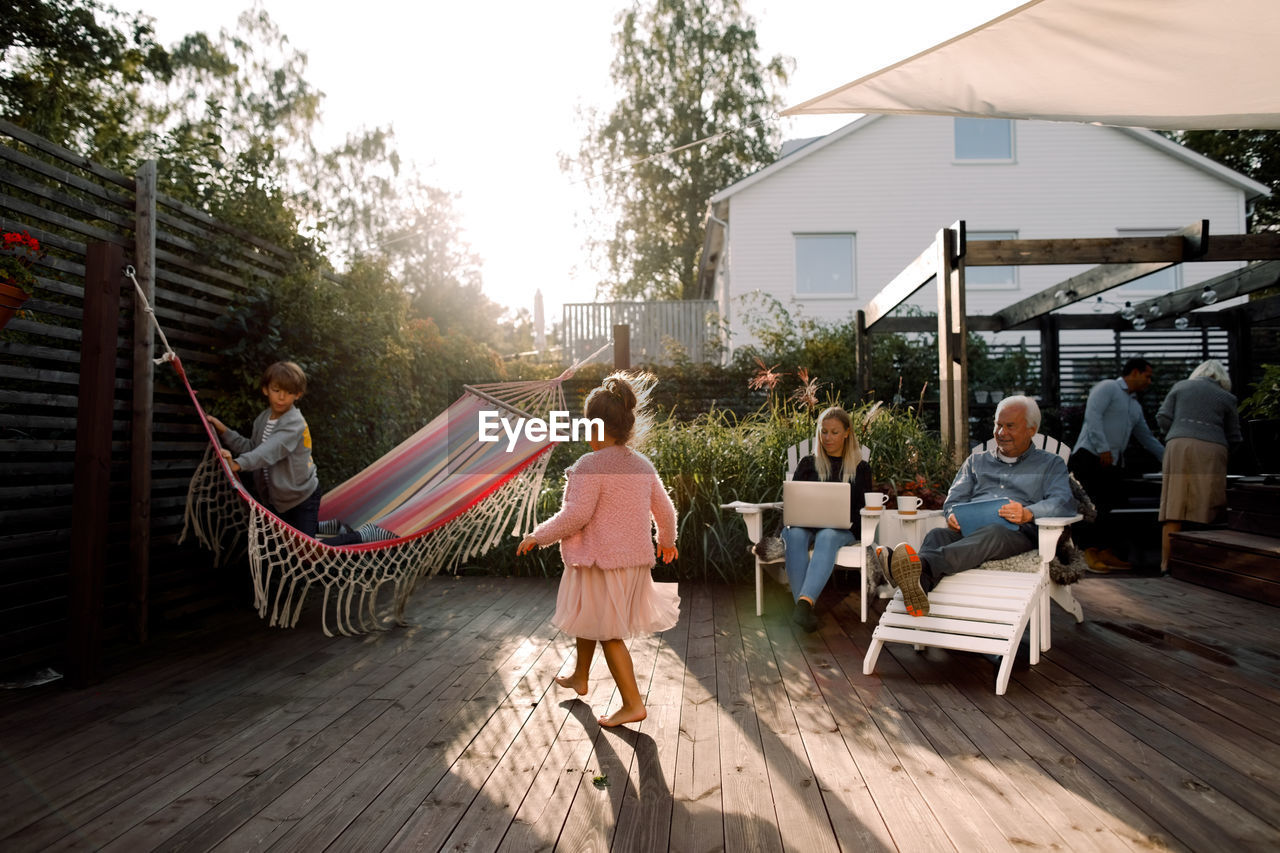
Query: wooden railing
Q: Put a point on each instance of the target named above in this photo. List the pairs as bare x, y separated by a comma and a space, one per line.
658, 330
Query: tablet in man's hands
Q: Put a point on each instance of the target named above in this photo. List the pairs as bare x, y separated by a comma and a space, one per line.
975, 515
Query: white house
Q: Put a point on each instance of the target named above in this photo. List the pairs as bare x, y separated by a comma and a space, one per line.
832, 222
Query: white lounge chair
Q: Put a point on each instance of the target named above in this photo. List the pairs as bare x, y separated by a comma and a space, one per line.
985, 611
849, 557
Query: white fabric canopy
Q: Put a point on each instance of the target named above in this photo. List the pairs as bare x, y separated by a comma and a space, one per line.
1161, 64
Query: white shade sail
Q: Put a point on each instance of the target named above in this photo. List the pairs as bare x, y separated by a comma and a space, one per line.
1161, 64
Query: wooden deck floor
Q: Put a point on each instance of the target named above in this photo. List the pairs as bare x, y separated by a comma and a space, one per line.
1154, 725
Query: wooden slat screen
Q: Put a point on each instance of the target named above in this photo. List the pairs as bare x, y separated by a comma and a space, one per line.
202, 268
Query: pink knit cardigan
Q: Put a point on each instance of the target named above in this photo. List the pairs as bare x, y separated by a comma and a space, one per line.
609, 497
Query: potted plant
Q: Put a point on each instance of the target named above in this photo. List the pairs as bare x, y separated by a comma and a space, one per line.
17, 254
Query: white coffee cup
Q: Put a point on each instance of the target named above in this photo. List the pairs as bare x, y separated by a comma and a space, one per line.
875, 501
908, 504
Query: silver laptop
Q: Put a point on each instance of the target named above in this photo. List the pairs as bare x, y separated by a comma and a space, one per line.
806, 503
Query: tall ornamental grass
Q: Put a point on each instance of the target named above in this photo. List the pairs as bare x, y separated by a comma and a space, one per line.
718, 458
714, 460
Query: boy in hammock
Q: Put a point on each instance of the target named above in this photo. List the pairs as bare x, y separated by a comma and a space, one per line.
279, 453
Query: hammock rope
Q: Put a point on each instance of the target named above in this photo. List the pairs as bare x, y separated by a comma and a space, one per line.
444, 495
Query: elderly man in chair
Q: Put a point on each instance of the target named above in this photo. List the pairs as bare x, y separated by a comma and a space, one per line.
1034, 483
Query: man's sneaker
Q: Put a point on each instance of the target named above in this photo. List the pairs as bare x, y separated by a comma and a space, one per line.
906, 568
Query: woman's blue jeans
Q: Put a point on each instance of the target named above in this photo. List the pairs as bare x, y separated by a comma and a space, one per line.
809, 574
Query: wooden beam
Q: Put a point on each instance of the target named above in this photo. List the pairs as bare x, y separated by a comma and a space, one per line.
1075, 289
1193, 241
143, 385
1099, 250
91, 490
915, 276
1255, 311
1243, 247
1226, 286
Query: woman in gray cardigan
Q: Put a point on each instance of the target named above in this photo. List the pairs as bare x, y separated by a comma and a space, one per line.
1200, 423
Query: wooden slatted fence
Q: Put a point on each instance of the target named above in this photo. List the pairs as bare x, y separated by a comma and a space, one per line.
201, 268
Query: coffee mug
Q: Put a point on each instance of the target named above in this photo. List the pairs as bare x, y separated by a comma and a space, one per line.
875, 501
908, 504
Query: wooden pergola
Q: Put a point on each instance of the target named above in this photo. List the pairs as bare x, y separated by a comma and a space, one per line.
1116, 260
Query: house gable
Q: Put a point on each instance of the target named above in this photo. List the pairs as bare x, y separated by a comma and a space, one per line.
892, 181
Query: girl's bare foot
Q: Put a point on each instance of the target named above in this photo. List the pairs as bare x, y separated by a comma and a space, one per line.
623, 715
573, 682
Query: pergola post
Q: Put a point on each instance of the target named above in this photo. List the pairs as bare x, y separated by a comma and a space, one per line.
862, 355
1050, 364
953, 359
1239, 349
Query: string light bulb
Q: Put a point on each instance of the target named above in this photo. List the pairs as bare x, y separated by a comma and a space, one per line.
1127, 311
1097, 306
1208, 296
1181, 323
1154, 310
1139, 324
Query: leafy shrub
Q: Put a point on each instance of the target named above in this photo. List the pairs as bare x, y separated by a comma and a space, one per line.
375, 374
1264, 402
906, 457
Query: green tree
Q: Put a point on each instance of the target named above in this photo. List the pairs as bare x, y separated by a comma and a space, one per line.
686, 71
236, 121
231, 118
72, 71
241, 117
1255, 153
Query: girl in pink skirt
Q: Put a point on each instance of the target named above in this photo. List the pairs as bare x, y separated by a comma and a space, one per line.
612, 497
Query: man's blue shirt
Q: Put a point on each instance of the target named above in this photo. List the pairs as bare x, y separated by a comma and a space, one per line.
1111, 416
1038, 480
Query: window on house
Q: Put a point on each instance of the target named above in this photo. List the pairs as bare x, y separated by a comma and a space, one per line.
991, 278
1167, 280
824, 264
988, 139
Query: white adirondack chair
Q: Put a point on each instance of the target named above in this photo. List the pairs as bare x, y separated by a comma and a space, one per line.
982, 610
849, 557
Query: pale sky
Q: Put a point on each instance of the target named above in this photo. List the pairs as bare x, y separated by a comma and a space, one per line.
483, 97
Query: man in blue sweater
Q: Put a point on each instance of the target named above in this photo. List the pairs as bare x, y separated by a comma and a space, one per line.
1112, 416
1034, 483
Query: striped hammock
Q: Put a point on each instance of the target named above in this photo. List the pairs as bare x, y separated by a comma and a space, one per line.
445, 496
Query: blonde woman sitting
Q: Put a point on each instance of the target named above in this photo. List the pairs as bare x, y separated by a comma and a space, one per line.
837, 458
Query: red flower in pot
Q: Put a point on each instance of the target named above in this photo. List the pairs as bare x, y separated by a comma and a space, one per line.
18, 253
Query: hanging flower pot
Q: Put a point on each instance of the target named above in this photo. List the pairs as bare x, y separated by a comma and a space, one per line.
11, 299
17, 253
